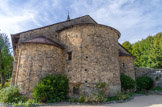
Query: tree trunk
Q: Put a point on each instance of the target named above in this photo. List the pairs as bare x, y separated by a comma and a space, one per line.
2, 79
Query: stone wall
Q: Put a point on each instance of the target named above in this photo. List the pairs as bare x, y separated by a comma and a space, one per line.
91, 55
127, 66
34, 62
155, 74
94, 58
143, 71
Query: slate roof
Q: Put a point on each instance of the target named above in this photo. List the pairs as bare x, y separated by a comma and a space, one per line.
44, 40
123, 51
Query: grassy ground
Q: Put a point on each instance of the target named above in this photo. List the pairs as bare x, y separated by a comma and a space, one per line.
157, 89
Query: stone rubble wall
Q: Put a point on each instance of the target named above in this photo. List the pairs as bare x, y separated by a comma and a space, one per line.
127, 65
95, 58
143, 71
34, 62
155, 74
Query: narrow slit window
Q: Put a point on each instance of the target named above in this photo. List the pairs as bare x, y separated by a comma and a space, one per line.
123, 65
69, 55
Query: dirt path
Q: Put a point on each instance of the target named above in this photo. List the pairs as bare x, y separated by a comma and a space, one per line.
138, 101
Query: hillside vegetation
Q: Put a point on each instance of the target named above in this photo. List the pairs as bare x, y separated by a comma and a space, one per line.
148, 52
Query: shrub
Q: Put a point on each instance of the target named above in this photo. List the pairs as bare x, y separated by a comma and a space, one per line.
73, 100
127, 82
144, 83
95, 98
100, 97
158, 88
122, 96
112, 98
7, 84
51, 89
81, 99
11, 95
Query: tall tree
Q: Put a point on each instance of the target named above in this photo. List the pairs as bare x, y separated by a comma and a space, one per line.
127, 45
155, 57
148, 52
5, 57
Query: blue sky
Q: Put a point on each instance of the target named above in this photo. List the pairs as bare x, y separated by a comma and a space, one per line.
135, 19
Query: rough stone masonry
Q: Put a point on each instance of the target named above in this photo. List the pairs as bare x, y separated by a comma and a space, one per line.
86, 52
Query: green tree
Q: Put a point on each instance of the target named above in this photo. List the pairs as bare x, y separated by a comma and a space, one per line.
127, 45
137, 53
6, 58
155, 57
148, 52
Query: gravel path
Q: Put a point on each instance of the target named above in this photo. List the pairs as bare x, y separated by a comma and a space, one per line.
138, 101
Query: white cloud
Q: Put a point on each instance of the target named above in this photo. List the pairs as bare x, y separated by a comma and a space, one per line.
135, 19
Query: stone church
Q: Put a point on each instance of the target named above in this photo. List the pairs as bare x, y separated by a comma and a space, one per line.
83, 50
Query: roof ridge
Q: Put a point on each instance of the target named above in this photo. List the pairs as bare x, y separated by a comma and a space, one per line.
54, 24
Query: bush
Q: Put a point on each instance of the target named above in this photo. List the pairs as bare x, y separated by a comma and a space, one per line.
122, 96
51, 89
95, 99
158, 88
81, 99
72, 100
112, 98
7, 83
11, 95
144, 83
127, 82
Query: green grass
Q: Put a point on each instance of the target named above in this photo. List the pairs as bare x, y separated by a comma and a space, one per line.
157, 89
112, 99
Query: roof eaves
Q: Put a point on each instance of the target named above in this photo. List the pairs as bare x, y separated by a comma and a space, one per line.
52, 42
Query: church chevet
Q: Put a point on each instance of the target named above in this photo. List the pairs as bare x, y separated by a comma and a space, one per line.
81, 49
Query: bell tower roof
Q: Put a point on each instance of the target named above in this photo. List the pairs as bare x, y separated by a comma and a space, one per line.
68, 17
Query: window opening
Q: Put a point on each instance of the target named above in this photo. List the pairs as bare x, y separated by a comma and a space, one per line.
69, 55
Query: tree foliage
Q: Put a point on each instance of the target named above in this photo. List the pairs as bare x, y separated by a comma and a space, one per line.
6, 58
148, 52
11, 95
127, 45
